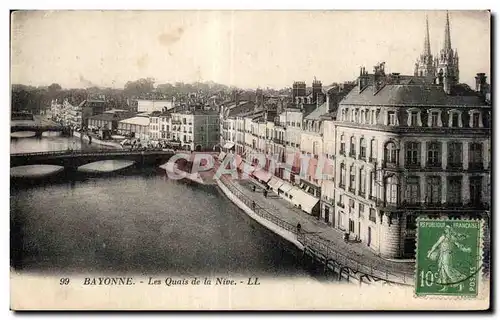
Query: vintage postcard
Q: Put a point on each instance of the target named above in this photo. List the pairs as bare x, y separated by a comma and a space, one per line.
250, 160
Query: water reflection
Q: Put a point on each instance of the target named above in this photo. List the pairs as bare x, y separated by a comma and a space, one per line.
106, 166
23, 134
34, 171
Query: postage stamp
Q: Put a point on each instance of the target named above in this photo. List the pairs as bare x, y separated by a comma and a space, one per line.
449, 257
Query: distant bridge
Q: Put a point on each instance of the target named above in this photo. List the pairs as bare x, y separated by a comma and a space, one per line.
39, 129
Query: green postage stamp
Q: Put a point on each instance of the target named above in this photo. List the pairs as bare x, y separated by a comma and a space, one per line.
449, 257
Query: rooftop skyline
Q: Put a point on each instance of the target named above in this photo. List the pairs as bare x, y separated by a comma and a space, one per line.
247, 49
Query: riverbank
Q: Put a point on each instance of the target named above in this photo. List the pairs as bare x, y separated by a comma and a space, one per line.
317, 240
111, 144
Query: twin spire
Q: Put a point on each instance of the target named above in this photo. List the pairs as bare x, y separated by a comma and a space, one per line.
447, 36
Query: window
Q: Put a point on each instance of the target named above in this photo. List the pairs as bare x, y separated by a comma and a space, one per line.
351, 203
362, 116
475, 190
352, 149
362, 150
356, 115
373, 149
342, 175
361, 210
434, 154
475, 120
391, 190
414, 118
342, 144
475, 154
390, 153
434, 119
373, 117
373, 215
455, 154
362, 182
353, 115
372, 185
454, 195
433, 195
411, 221
391, 118
454, 120
412, 192
352, 179
413, 153
351, 225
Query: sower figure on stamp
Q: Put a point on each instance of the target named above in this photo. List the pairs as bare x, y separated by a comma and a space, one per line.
443, 250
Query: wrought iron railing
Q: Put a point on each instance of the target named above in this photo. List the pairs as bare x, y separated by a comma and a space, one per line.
321, 245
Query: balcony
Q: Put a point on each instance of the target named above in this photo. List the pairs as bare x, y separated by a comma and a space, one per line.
390, 165
339, 204
362, 157
342, 186
412, 165
342, 152
433, 165
279, 141
176, 122
361, 193
372, 160
352, 154
352, 190
454, 166
475, 166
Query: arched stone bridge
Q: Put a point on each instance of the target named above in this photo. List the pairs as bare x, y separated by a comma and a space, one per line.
39, 129
73, 159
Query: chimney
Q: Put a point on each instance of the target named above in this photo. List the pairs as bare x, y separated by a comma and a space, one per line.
395, 78
481, 83
362, 80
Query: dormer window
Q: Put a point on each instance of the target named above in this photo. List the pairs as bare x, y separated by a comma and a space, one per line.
414, 119
475, 119
391, 118
434, 119
455, 119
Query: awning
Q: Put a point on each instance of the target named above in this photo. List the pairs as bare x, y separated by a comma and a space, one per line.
285, 187
275, 183
262, 175
303, 199
228, 145
247, 168
221, 156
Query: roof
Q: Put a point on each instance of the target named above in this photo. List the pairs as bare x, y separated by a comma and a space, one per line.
115, 111
413, 94
318, 112
242, 108
142, 121
111, 116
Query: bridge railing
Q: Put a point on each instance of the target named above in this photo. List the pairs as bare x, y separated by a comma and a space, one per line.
90, 153
322, 246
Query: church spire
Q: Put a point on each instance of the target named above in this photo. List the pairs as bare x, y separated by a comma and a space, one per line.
447, 37
427, 42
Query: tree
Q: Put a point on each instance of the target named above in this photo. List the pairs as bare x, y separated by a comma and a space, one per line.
139, 87
54, 87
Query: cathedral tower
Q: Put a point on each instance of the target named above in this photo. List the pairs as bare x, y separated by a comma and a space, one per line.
447, 61
424, 67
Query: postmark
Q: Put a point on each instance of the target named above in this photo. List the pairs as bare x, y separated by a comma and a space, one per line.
449, 257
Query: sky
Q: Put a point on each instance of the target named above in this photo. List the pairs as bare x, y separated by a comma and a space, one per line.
248, 49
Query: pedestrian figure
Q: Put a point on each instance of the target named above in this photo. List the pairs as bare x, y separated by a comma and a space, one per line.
265, 193
253, 205
254, 188
299, 227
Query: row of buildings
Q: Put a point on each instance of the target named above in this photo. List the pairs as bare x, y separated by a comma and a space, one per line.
191, 128
390, 148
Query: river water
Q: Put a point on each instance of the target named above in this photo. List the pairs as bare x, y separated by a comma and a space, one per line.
140, 223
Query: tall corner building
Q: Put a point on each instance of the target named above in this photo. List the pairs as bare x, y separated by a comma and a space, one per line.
410, 146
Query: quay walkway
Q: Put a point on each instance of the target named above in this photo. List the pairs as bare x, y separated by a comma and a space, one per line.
354, 259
